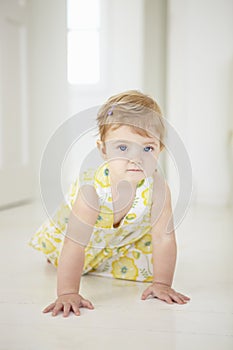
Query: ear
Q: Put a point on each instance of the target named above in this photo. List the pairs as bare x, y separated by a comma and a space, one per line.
161, 147
102, 149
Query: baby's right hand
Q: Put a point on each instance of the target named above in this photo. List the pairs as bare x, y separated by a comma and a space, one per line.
68, 301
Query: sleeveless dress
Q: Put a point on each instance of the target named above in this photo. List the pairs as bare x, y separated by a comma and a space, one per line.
124, 252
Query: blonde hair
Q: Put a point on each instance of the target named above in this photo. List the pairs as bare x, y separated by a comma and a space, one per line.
139, 111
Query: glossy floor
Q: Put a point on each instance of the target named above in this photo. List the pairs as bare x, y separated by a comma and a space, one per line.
120, 319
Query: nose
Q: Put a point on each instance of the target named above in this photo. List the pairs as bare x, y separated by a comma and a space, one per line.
136, 156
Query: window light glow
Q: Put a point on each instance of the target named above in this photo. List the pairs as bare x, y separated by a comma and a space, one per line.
83, 53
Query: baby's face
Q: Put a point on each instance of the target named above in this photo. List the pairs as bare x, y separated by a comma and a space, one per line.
130, 156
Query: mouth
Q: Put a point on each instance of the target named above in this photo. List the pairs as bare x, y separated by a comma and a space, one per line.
136, 170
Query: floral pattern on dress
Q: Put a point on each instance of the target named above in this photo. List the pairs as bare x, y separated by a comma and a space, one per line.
124, 252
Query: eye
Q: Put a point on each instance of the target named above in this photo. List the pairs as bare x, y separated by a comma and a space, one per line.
122, 147
149, 149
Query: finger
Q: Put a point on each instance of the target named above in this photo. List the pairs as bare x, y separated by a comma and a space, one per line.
49, 307
57, 308
67, 307
146, 293
177, 299
166, 298
184, 296
87, 303
75, 309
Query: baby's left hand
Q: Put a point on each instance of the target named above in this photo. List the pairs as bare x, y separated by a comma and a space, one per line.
166, 293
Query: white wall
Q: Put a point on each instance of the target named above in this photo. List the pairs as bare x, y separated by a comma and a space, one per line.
154, 50
48, 85
199, 101
154, 56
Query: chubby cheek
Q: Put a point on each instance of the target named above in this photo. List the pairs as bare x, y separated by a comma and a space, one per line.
149, 166
118, 166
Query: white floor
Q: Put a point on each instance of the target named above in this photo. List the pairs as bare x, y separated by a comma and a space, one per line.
120, 319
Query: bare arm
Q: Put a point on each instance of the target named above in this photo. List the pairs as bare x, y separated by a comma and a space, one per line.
70, 268
80, 226
164, 259
70, 265
164, 248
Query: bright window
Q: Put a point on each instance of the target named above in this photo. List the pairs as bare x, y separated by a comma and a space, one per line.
83, 53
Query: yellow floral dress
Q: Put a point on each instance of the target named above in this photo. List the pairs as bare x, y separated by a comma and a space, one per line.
124, 252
